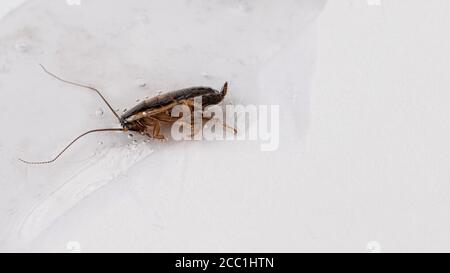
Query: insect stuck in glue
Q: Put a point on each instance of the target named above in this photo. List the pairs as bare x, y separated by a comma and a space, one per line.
146, 117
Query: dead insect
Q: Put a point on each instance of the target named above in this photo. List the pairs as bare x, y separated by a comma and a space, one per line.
147, 116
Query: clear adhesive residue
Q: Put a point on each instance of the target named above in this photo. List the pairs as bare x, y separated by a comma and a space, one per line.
102, 169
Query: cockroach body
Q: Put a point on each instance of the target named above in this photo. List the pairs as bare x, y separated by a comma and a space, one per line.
146, 116
152, 111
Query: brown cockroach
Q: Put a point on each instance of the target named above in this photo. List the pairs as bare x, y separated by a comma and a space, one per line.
147, 116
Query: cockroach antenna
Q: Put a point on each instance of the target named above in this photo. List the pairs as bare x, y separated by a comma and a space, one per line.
86, 133
70, 144
84, 86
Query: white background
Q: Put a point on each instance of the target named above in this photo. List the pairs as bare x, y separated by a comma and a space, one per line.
364, 155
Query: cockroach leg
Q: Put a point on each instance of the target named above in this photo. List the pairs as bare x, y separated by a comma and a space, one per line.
154, 123
156, 131
165, 117
224, 124
193, 106
194, 131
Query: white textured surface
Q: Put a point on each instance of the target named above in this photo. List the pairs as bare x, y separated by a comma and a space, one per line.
364, 151
379, 152
192, 196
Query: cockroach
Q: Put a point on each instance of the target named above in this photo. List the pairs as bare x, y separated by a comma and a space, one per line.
146, 117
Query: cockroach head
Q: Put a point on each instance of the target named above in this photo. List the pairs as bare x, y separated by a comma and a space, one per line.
124, 123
